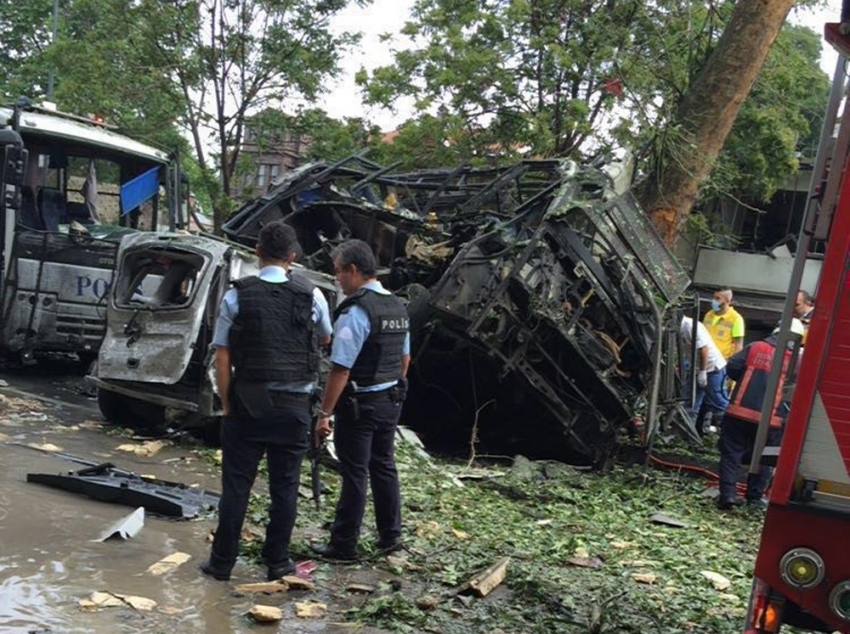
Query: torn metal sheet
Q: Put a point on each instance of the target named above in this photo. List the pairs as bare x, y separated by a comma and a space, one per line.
108, 484
125, 528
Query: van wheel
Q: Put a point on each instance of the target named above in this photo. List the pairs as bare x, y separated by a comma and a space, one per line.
127, 411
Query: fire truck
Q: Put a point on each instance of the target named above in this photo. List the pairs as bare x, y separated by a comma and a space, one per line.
802, 571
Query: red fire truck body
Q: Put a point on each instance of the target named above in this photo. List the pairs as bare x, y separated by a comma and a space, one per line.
802, 572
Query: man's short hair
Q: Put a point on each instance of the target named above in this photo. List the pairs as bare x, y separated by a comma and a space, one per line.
277, 241
359, 254
726, 292
808, 298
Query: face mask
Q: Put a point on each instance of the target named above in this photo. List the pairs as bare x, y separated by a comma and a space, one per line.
715, 305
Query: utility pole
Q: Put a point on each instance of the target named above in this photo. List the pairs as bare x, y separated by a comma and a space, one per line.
53, 41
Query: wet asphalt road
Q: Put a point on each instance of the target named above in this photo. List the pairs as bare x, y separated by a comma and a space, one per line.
49, 561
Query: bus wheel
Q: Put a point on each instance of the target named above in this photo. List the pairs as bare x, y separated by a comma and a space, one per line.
127, 411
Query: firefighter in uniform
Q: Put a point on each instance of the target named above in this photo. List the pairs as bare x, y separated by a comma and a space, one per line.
750, 369
266, 341
724, 323
364, 392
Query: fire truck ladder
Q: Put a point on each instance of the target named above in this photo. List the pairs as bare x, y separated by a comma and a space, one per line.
816, 223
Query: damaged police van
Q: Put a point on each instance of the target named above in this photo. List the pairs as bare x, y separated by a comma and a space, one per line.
80, 187
155, 365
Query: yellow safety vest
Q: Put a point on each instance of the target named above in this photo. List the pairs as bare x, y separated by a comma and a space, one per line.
720, 329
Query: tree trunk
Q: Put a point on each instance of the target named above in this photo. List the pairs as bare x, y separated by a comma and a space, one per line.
707, 112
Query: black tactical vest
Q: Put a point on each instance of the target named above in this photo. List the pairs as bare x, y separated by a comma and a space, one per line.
379, 360
273, 337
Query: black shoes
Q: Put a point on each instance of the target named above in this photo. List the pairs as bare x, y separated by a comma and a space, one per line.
725, 503
208, 569
282, 570
275, 572
390, 546
333, 552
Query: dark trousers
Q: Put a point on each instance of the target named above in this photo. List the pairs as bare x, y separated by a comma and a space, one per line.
282, 436
365, 447
736, 443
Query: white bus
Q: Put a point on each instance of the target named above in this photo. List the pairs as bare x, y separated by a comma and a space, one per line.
77, 189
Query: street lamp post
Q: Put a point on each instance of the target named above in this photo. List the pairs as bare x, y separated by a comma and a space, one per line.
55, 29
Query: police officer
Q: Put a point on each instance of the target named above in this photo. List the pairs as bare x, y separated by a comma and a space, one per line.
266, 341
364, 390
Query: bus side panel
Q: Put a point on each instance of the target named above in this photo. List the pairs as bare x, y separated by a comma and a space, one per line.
787, 527
57, 297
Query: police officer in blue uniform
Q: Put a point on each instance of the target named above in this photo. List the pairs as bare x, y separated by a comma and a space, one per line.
364, 391
266, 341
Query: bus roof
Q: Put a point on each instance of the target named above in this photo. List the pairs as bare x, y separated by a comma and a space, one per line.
79, 132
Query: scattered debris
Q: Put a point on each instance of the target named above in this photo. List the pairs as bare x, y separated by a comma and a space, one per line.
401, 563
460, 534
99, 600
524, 469
666, 520
107, 483
125, 528
585, 562
265, 586
298, 583
427, 602
147, 448
138, 603
719, 582
645, 577
169, 563
49, 447
303, 569
265, 613
251, 533
310, 610
360, 588
412, 438
429, 530
486, 581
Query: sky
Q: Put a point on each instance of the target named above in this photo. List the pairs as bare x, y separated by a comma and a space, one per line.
381, 17
388, 16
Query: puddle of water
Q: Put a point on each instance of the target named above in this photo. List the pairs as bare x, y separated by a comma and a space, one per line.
48, 561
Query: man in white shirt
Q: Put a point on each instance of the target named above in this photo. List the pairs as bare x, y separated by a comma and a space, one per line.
711, 374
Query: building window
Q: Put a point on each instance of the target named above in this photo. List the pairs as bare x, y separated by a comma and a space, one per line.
262, 175
266, 174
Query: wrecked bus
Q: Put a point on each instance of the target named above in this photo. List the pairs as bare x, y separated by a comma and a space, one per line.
81, 187
537, 292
